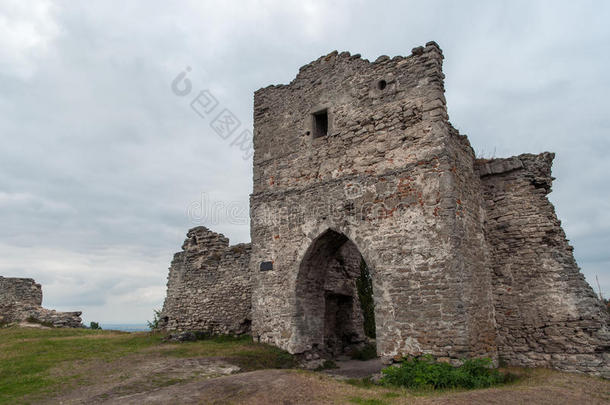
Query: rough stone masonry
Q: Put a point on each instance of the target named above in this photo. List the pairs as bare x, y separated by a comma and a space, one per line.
21, 300
358, 160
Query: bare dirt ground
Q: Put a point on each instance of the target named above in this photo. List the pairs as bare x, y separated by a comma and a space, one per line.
107, 367
110, 382
205, 381
356, 368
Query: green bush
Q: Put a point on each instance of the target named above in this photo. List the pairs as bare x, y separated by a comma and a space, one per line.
95, 326
154, 324
426, 373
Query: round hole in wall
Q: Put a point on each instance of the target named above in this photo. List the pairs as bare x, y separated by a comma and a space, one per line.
307, 133
381, 84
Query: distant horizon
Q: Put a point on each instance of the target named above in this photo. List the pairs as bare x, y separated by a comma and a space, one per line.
124, 327
122, 323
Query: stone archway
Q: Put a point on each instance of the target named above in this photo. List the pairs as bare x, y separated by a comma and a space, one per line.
329, 317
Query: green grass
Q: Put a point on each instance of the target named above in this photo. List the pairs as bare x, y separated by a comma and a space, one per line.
361, 382
366, 401
28, 355
43, 361
241, 351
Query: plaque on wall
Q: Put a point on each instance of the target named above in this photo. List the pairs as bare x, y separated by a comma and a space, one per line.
266, 266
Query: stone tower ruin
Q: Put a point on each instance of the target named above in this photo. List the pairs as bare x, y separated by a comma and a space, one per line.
357, 160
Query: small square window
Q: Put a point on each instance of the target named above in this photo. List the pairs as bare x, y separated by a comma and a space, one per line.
320, 124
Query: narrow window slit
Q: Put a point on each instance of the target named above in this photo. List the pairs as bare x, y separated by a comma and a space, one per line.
320, 123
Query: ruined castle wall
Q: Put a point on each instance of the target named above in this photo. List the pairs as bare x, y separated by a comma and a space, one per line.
209, 286
24, 290
546, 313
385, 177
467, 258
471, 249
21, 300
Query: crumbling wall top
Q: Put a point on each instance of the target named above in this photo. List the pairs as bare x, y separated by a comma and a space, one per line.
335, 57
537, 168
202, 240
22, 290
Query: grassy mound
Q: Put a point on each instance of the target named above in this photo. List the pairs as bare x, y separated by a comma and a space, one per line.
43, 362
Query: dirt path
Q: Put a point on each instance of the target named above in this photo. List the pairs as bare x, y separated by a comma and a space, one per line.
108, 382
299, 387
256, 387
356, 368
153, 378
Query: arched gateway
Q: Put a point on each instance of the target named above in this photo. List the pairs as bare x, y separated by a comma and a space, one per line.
359, 158
329, 319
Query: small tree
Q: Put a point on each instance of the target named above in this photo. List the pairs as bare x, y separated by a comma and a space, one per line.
154, 324
95, 325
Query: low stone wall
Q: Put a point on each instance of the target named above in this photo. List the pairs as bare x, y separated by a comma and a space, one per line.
209, 286
21, 300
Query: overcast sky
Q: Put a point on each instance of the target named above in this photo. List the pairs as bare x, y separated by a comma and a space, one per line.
103, 168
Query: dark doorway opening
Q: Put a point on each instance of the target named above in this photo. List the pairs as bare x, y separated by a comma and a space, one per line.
338, 323
330, 314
